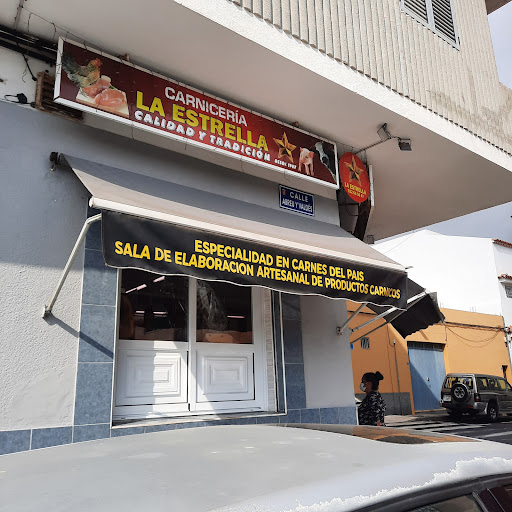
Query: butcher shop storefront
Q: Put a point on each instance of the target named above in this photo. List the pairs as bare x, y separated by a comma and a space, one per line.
216, 272
199, 326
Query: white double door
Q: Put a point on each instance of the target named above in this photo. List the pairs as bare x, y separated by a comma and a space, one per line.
166, 378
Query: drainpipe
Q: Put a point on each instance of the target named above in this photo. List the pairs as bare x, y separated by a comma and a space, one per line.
508, 342
397, 378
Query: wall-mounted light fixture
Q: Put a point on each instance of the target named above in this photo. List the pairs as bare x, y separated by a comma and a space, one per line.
404, 144
384, 135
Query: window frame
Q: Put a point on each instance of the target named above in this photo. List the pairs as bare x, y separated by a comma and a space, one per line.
430, 23
261, 403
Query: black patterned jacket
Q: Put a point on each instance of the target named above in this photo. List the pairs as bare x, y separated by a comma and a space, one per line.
372, 409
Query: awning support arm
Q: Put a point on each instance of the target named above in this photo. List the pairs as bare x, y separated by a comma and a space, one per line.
350, 318
410, 303
87, 224
415, 299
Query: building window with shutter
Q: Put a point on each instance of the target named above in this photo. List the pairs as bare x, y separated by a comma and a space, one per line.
437, 15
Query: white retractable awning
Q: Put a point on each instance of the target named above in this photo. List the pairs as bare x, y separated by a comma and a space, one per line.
128, 192
148, 206
133, 196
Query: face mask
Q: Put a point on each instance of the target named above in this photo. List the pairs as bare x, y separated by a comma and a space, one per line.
362, 387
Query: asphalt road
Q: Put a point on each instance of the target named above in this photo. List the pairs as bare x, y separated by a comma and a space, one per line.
479, 427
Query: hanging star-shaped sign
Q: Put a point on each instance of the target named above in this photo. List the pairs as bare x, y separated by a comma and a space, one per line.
285, 147
355, 171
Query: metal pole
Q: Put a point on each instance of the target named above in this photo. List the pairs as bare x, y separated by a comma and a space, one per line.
397, 377
410, 303
87, 224
356, 312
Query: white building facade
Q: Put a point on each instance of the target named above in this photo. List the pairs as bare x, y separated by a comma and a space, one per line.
187, 349
468, 273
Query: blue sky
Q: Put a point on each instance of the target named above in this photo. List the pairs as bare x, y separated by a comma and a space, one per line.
500, 22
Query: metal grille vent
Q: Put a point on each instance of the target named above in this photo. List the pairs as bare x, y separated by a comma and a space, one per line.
44, 99
418, 8
435, 14
443, 19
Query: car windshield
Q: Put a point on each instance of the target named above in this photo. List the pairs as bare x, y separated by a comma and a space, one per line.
451, 380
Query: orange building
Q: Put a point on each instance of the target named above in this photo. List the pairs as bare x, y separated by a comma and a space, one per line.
414, 367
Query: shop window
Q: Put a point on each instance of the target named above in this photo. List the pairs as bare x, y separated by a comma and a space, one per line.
508, 291
224, 313
153, 307
188, 346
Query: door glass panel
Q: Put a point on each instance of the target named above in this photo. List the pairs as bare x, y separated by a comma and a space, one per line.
224, 313
508, 489
492, 385
481, 383
459, 504
502, 384
153, 307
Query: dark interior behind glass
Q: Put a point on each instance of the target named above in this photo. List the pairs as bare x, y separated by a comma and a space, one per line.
153, 307
224, 313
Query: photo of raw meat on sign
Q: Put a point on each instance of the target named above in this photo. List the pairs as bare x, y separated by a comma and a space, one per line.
94, 89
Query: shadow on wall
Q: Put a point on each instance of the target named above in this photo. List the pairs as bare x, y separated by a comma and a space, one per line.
54, 321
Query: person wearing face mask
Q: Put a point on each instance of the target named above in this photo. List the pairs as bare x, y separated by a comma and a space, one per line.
372, 408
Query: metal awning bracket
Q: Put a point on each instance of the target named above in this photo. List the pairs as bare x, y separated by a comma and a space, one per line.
410, 303
341, 328
47, 310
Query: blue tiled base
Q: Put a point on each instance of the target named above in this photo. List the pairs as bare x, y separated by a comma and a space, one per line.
45, 437
329, 415
23, 440
90, 432
14, 441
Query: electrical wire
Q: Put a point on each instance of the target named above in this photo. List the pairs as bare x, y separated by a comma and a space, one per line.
26, 67
489, 339
399, 243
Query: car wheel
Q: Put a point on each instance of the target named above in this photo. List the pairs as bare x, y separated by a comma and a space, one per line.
460, 393
492, 412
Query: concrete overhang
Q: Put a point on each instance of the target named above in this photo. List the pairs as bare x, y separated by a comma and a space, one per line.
228, 52
494, 5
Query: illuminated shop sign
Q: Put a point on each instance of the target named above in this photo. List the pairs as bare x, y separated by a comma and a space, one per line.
101, 84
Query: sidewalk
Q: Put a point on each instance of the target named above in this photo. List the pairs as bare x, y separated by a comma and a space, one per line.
395, 420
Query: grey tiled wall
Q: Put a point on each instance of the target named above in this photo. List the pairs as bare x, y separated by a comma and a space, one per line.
293, 357
97, 335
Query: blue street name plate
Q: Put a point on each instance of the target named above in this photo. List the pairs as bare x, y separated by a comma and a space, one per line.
297, 201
